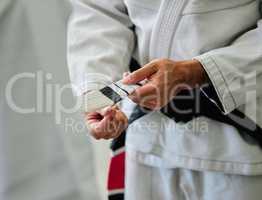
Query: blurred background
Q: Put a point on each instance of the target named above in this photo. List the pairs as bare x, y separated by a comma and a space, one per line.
45, 150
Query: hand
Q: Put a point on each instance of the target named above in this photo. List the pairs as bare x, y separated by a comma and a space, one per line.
106, 124
165, 79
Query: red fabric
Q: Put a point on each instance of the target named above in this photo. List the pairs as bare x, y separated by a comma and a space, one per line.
116, 176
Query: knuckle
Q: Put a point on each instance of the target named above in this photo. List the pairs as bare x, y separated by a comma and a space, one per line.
155, 60
107, 137
164, 60
97, 137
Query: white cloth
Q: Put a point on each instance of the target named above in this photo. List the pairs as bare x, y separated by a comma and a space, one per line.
39, 159
157, 183
222, 35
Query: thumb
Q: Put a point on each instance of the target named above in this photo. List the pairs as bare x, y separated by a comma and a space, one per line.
140, 74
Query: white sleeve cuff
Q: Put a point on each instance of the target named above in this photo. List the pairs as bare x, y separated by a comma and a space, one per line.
92, 81
218, 80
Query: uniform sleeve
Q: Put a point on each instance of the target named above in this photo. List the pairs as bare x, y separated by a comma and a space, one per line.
100, 43
235, 70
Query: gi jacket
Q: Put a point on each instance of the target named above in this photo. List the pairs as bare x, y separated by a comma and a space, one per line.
225, 36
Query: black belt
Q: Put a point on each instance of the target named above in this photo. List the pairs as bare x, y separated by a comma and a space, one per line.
247, 128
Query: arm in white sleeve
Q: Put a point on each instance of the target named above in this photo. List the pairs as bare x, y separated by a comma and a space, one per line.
234, 69
100, 43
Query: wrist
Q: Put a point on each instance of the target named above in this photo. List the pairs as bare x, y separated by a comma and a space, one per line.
196, 74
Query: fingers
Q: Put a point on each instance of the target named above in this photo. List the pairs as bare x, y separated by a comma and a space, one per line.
97, 116
107, 123
151, 96
148, 96
94, 117
140, 74
107, 111
143, 92
150, 104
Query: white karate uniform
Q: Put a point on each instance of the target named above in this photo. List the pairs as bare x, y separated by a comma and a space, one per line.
225, 36
157, 183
